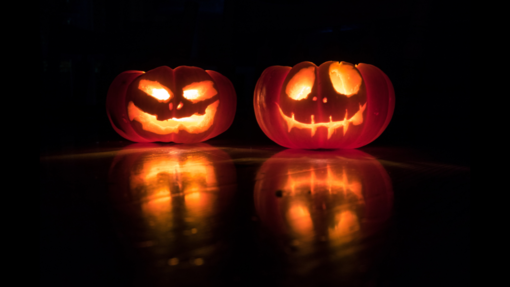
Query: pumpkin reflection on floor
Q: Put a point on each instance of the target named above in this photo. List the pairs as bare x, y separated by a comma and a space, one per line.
172, 179
170, 201
323, 198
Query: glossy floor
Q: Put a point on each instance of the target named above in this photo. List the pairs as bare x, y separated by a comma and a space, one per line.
214, 214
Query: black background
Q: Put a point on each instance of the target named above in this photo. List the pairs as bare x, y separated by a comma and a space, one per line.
421, 45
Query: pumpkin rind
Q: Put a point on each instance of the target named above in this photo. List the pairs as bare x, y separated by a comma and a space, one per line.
140, 117
310, 127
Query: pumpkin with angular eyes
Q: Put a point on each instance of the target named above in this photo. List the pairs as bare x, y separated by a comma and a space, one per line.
335, 105
182, 105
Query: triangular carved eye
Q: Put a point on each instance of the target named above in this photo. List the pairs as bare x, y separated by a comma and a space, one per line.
155, 90
300, 86
199, 91
345, 78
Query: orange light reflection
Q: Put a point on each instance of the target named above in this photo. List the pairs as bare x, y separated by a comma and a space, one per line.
300, 220
347, 224
319, 182
166, 177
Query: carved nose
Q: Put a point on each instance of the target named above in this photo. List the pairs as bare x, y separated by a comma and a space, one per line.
179, 106
170, 106
324, 100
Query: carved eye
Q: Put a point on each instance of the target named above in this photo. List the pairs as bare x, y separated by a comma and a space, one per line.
300, 86
155, 90
199, 91
345, 78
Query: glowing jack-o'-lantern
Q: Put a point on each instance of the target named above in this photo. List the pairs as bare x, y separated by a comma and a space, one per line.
183, 105
331, 196
335, 105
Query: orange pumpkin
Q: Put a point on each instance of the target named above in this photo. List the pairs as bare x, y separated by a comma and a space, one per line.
182, 105
335, 105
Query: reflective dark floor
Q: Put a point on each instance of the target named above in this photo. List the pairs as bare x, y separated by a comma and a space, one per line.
216, 214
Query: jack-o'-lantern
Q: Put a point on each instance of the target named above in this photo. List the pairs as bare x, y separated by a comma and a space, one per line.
182, 105
334, 197
335, 105
171, 203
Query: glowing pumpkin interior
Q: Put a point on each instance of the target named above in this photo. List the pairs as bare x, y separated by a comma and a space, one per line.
155, 89
346, 81
300, 86
345, 78
191, 94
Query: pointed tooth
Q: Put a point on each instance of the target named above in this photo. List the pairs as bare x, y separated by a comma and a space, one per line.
346, 122
331, 130
346, 126
290, 123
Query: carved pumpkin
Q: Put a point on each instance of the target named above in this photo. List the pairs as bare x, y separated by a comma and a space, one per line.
335, 105
182, 105
331, 196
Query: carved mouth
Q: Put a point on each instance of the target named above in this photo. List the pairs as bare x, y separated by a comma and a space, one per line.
356, 119
193, 124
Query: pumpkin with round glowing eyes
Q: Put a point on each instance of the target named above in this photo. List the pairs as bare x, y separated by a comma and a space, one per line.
335, 105
182, 105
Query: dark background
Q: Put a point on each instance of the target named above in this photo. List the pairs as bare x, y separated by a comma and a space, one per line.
421, 45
